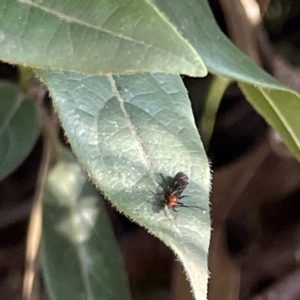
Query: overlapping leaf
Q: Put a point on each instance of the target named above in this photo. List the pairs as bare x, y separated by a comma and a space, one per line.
98, 37
94, 37
276, 103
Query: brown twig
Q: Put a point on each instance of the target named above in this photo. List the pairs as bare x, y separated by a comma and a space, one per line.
30, 292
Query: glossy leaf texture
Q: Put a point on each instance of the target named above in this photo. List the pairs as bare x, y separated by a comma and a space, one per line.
94, 37
126, 131
124, 36
19, 128
81, 259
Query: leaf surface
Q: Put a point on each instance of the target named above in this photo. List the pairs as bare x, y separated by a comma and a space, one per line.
94, 37
278, 104
126, 131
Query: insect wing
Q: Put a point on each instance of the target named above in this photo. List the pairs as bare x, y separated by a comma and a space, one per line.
181, 180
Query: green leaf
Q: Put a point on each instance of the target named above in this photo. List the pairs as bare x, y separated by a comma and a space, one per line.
220, 56
19, 128
94, 37
281, 109
126, 131
81, 259
276, 103
110, 37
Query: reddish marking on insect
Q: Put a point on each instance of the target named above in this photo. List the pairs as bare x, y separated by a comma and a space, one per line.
173, 190
172, 201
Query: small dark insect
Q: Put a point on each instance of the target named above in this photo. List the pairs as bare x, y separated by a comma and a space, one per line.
173, 190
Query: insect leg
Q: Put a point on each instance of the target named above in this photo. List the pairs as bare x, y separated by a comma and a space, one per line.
192, 206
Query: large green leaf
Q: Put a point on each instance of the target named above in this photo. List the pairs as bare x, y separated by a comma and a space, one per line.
81, 259
19, 128
94, 37
126, 130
